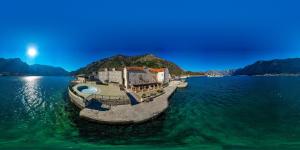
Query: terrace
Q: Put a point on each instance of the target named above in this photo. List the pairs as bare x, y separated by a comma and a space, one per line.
107, 94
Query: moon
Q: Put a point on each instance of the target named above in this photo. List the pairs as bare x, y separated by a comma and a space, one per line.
32, 51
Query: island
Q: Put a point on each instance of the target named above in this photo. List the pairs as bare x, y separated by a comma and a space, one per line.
123, 95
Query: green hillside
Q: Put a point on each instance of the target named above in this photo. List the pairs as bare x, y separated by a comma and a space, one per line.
119, 61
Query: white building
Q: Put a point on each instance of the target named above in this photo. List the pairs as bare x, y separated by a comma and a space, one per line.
160, 74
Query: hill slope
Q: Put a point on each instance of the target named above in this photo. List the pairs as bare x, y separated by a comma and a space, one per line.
118, 61
276, 66
16, 66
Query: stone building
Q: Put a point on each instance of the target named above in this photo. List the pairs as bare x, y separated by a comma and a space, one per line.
81, 78
135, 77
167, 75
110, 76
139, 78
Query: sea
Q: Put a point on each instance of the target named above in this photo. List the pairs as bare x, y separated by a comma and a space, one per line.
234, 112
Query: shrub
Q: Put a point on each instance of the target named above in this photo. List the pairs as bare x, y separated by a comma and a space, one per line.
159, 91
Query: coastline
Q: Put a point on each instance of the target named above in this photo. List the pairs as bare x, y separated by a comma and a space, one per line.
283, 74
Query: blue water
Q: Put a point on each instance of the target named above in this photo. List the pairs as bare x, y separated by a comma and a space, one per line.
211, 113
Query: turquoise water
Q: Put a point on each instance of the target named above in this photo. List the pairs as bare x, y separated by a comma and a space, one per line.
212, 113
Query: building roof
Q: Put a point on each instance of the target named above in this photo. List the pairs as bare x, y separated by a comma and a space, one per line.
143, 69
157, 70
142, 78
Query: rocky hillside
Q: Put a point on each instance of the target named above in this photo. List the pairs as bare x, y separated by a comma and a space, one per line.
16, 66
276, 66
118, 61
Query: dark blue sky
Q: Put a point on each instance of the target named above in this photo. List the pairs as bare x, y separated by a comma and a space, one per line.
197, 35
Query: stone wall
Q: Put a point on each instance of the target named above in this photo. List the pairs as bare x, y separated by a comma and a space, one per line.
75, 99
167, 75
114, 102
113, 75
103, 76
110, 100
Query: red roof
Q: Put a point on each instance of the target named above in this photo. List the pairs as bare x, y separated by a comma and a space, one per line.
157, 70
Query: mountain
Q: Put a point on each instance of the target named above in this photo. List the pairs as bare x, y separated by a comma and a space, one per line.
119, 61
15, 66
276, 66
47, 70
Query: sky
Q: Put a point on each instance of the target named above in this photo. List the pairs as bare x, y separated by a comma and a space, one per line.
198, 35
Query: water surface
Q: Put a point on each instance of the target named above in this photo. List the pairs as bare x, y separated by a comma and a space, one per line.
212, 113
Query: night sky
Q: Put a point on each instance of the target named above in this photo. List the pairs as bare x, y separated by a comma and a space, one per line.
197, 35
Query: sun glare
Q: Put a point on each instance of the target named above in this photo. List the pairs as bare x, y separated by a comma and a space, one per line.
32, 51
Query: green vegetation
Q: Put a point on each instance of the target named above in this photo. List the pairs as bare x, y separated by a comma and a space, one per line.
195, 73
160, 91
120, 61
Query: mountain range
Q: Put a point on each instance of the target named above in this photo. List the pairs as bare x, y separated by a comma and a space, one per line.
119, 61
276, 66
15, 66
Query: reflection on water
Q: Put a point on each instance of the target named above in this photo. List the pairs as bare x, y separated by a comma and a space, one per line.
30, 92
31, 78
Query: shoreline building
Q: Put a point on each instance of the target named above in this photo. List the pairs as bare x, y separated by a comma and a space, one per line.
135, 78
162, 74
142, 78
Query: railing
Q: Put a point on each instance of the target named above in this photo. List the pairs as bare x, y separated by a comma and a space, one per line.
71, 85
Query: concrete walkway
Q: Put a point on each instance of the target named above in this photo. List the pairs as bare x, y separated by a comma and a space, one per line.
127, 114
